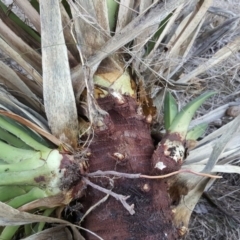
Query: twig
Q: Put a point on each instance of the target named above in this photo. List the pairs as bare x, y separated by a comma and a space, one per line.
91, 232
114, 173
118, 197
181, 171
94, 206
139, 175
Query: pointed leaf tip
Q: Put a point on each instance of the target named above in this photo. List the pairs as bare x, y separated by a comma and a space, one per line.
170, 110
181, 122
197, 131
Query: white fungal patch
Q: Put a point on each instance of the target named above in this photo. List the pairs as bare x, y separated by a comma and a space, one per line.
119, 97
160, 165
119, 156
146, 187
149, 118
175, 150
139, 110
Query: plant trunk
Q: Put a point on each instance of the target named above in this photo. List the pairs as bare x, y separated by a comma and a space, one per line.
124, 144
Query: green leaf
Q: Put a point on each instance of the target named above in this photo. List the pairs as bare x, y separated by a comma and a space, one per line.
66, 6
30, 132
11, 155
41, 170
197, 131
34, 194
10, 192
35, 4
162, 25
181, 122
12, 140
18, 201
39, 226
23, 165
112, 6
18, 131
8, 232
170, 110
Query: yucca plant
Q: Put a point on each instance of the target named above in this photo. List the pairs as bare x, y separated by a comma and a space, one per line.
78, 110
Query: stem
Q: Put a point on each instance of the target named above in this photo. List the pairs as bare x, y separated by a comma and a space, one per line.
34, 194
8, 232
23, 165
12, 154
48, 176
29, 177
28, 230
7, 193
47, 212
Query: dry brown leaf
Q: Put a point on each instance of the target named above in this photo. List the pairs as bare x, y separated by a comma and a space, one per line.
49, 202
137, 26
194, 19
67, 28
5, 15
11, 104
13, 217
30, 12
140, 41
27, 53
166, 29
183, 211
218, 57
233, 128
125, 13
208, 38
89, 35
10, 79
60, 105
56, 233
31, 84
22, 62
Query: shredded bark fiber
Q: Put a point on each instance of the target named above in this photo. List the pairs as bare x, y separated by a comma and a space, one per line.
124, 144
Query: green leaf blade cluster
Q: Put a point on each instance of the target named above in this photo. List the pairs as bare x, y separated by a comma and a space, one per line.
180, 123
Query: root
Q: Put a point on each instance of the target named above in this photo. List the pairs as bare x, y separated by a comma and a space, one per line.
118, 197
139, 175
94, 206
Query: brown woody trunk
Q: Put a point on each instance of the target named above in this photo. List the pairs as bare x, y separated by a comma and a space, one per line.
124, 144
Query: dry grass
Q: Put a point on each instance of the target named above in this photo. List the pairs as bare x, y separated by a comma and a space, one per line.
217, 215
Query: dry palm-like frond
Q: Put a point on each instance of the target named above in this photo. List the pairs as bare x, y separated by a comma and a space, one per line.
101, 66
213, 156
60, 103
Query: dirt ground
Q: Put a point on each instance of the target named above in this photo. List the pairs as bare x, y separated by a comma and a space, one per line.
217, 215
